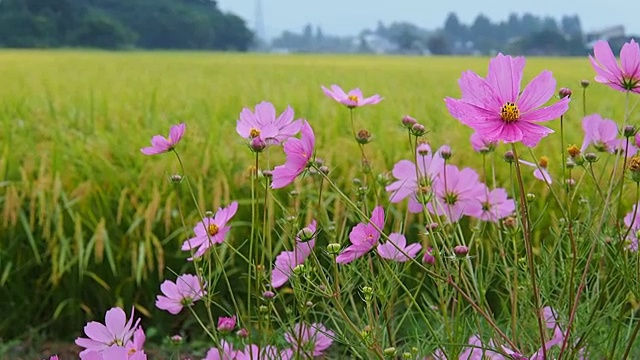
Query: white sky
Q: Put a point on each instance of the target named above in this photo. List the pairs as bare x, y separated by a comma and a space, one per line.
340, 17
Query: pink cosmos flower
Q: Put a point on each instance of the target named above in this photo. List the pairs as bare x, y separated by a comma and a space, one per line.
599, 132
634, 224
160, 144
363, 237
184, 292
114, 352
391, 252
626, 149
298, 154
456, 193
308, 339
352, 99
407, 184
540, 171
625, 77
264, 124
210, 231
226, 324
480, 144
286, 261
492, 205
495, 108
115, 331
223, 352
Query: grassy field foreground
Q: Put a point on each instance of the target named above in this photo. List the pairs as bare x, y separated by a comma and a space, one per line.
88, 222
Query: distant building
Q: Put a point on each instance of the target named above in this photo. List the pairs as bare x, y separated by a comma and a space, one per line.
376, 44
608, 33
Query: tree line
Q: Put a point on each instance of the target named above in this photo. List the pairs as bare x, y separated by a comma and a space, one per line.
121, 24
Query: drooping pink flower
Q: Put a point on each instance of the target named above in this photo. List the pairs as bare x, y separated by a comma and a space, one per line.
160, 144
223, 352
492, 205
286, 261
628, 149
264, 124
390, 251
480, 144
210, 231
599, 132
495, 108
352, 99
456, 193
226, 324
624, 77
308, 339
363, 237
407, 183
298, 154
428, 257
540, 171
115, 331
633, 222
184, 292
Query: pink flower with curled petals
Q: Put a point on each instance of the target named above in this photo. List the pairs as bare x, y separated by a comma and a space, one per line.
226, 324
416, 184
480, 144
286, 261
310, 339
115, 331
495, 108
428, 257
599, 132
455, 193
492, 205
184, 292
396, 247
298, 155
624, 77
540, 171
210, 231
160, 144
352, 99
363, 237
223, 352
264, 124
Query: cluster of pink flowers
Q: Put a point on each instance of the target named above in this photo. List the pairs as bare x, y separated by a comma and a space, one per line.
117, 339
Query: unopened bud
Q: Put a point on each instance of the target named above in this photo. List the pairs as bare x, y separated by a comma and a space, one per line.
461, 250
333, 248
324, 169
629, 131
434, 226
267, 173
428, 258
531, 197
571, 182
242, 333
390, 351
257, 144
308, 304
584, 84
510, 222
367, 293
176, 339
208, 213
509, 156
445, 152
175, 179
363, 136
263, 309
418, 130
570, 163
306, 234
573, 151
298, 270
268, 294
424, 149
591, 157
408, 121
564, 92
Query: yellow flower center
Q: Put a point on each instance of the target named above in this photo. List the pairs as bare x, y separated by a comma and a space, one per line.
254, 133
353, 98
212, 229
510, 112
544, 162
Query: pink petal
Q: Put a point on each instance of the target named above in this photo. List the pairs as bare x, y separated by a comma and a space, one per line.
605, 57
265, 113
339, 93
532, 133
170, 289
377, 217
167, 304
469, 114
537, 92
630, 59
98, 332
176, 132
505, 75
115, 321
547, 113
476, 91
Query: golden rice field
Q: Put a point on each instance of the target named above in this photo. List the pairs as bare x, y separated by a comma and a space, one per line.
88, 221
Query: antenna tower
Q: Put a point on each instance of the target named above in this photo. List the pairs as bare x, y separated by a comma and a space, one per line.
259, 22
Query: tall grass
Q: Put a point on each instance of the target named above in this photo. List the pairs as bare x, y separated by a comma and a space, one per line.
88, 222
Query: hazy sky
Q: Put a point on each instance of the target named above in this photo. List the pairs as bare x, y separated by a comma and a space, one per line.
348, 17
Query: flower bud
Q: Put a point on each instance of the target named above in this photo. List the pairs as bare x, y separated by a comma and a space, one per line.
634, 168
263, 309
584, 84
267, 173
306, 234
573, 151
531, 197
408, 121
510, 222
461, 250
390, 351
208, 213
509, 156
308, 304
242, 333
324, 169
226, 324
268, 294
175, 179
423, 149
591, 157
407, 355
445, 152
428, 258
367, 293
571, 182
333, 248
570, 163
176, 340
257, 145
298, 270
363, 136
433, 227
418, 130
629, 131
564, 92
